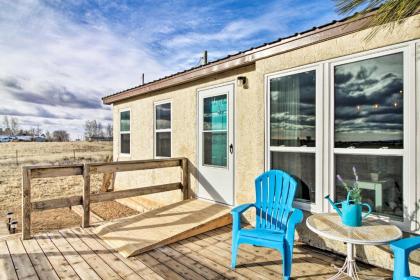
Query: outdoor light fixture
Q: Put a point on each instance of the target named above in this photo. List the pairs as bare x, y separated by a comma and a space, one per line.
9, 216
13, 226
242, 81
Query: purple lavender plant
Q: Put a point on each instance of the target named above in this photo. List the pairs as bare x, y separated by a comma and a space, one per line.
353, 189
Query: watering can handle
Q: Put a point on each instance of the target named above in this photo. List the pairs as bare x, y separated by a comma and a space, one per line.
370, 209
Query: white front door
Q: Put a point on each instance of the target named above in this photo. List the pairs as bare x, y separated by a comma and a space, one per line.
215, 144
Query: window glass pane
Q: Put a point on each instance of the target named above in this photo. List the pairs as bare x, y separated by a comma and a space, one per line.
302, 167
292, 110
215, 113
369, 103
215, 148
163, 144
163, 116
125, 121
125, 143
380, 178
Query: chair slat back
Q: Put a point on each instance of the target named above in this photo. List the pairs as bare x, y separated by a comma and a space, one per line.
275, 191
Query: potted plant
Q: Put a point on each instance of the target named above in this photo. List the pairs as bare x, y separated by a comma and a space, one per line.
351, 209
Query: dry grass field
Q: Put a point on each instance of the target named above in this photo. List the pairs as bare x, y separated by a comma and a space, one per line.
17, 154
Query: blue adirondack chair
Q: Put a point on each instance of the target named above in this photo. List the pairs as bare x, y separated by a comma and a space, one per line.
402, 249
276, 219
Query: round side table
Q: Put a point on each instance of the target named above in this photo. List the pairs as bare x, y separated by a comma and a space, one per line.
329, 225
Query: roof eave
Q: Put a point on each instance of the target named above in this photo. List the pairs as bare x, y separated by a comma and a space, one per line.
317, 35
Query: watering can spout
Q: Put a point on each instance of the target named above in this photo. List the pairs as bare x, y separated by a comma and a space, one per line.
334, 205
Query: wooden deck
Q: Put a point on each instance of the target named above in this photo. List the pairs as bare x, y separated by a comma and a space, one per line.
80, 254
140, 233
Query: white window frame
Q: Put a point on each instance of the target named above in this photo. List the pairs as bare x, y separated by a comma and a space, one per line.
124, 132
317, 150
325, 104
416, 77
408, 126
155, 131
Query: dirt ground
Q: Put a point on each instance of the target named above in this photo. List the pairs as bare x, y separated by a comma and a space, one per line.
17, 154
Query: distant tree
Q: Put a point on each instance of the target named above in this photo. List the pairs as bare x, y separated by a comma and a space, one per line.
99, 130
14, 125
38, 131
109, 131
48, 136
61, 136
94, 128
90, 128
31, 132
389, 11
6, 123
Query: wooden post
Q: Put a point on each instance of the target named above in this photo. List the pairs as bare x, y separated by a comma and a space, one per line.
108, 178
185, 177
26, 203
17, 158
86, 196
74, 154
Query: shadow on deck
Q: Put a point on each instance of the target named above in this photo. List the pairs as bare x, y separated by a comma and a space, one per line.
80, 254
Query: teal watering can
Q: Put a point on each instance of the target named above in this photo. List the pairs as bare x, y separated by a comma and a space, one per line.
351, 212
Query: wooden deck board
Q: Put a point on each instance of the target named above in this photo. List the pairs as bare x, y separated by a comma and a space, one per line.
224, 256
56, 259
133, 263
21, 261
176, 266
73, 258
80, 254
159, 268
40, 262
107, 256
191, 263
7, 269
270, 259
223, 270
94, 261
163, 226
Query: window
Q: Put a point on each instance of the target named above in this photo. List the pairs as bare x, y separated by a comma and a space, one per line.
125, 132
293, 129
215, 130
163, 129
354, 111
369, 130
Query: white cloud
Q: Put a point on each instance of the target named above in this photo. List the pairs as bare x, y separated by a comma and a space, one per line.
43, 50
68, 52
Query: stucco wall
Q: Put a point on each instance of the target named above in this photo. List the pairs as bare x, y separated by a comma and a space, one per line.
184, 135
249, 126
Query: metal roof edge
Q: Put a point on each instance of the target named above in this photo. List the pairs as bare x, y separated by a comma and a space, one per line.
334, 29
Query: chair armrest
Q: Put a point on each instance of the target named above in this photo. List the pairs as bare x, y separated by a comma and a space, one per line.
406, 244
242, 208
295, 218
236, 216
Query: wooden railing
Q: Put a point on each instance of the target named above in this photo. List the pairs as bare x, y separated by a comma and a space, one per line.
86, 170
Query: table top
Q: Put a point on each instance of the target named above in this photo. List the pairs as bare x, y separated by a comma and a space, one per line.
372, 231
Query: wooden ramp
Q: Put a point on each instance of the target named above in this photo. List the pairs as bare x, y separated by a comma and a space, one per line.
138, 234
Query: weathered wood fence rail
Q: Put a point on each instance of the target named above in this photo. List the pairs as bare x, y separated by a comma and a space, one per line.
86, 170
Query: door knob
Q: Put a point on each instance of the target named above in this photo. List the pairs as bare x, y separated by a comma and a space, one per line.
231, 148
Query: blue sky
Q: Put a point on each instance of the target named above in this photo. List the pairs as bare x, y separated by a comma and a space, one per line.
60, 57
